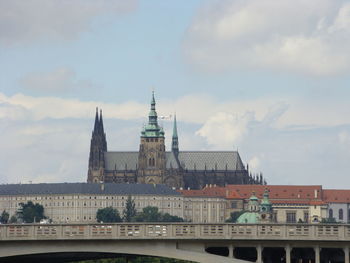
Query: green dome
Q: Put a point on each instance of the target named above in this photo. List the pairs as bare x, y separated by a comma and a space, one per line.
248, 218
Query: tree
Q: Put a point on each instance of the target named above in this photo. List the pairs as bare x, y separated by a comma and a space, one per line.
4, 218
169, 218
31, 212
151, 214
108, 215
234, 216
130, 210
13, 219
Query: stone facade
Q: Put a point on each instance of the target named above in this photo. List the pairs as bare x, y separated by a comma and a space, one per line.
153, 164
79, 202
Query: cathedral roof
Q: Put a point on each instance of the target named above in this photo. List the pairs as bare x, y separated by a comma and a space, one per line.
190, 160
86, 188
121, 160
210, 160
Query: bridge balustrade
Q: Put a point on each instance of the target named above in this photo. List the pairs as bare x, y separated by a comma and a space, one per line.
176, 231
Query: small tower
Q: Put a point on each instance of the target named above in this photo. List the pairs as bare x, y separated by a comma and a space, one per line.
98, 147
175, 139
266, 208
151, 168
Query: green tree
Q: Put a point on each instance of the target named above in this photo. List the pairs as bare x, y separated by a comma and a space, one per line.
31, 212
130, 210
108, 215
148, 214
13, 219
4, 218
169, 218
151, 214
234, 216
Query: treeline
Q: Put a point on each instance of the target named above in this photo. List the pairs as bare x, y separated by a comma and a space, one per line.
148, 214
27, 213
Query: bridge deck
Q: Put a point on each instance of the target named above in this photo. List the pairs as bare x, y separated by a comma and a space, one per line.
176, 231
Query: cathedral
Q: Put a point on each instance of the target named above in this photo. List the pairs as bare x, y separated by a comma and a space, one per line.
152, 164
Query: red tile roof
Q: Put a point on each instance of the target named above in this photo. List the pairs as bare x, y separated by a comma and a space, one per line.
336, 196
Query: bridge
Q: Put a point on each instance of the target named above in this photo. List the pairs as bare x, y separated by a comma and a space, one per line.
204, 243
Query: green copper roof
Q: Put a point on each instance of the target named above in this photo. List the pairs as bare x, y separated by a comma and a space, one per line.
152, 129
248, 218
175, 128
175, 139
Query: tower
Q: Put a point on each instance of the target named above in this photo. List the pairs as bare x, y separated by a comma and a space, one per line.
98, 147
266, 214
151, 168
175, 139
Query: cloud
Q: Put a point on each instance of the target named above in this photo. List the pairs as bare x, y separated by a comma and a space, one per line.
224, 130
47, 138
60, 79
26, 21
308, 37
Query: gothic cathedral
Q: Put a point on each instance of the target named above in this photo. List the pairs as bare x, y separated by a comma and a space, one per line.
152, 164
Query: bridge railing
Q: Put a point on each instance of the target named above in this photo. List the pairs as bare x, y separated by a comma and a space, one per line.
175, 231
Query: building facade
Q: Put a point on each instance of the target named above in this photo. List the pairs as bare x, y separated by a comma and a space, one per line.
152, 164
79, 202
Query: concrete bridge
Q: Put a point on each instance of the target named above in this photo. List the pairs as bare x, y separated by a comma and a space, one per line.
205, 243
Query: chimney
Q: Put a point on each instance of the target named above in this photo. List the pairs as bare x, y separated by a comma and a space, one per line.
102, 187
188, 188
315, 193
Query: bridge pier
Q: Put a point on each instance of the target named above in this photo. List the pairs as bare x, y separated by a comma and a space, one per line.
288, 253
230, 251
317, 254
259, 250
346, 254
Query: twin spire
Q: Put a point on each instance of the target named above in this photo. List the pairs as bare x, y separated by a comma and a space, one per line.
152, 129
98, 127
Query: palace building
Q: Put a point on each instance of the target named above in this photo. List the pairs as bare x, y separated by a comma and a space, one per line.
152, 164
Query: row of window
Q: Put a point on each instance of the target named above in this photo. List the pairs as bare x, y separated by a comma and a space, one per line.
340, 214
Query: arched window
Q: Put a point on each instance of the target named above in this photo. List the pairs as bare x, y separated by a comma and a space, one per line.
341, 216
330, 213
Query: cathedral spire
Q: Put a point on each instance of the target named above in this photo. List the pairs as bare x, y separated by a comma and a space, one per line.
101, 123
96, 126
152, 129
152, 116
175, 139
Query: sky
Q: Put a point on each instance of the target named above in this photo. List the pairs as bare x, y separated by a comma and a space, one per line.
268, 78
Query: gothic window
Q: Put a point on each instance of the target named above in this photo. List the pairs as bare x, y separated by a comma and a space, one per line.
150, 161
340, 214
330, 213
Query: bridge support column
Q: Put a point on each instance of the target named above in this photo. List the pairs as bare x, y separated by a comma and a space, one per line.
230, 251
317, 254
288, 253
259, 250
346, 254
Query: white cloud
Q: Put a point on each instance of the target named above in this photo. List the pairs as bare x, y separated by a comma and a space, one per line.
24, 21
60, 79
254, 164
344, 138
225, 130
310, 37
47, 139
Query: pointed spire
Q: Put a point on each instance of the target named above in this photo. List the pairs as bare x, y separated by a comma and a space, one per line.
101, 123
96, 121
175, 139
152, 129
152, 116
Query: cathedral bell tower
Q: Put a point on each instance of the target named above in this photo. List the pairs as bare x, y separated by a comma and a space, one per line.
98, 147
151, 168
